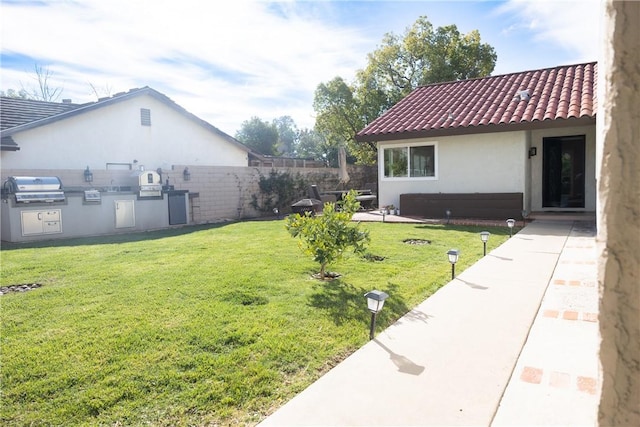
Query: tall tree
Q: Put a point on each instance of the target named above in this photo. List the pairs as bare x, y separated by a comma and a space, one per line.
287, 135
43, 91
421, 56
314, 145
258, 135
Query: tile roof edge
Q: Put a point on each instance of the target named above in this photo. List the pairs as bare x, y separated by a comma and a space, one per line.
472, 130
508, 74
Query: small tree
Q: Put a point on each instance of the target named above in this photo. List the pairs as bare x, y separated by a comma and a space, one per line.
325, 237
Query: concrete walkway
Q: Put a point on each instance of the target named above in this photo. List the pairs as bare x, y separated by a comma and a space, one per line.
513, 340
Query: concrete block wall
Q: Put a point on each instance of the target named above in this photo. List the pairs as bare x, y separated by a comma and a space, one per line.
218, 193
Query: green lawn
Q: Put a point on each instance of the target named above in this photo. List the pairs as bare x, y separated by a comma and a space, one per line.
201, 325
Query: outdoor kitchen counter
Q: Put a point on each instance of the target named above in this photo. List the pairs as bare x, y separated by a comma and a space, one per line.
113, 212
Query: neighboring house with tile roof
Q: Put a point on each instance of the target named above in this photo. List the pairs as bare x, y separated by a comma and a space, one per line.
492, 146
140, 126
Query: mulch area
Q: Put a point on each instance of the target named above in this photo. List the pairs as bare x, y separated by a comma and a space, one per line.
18, 288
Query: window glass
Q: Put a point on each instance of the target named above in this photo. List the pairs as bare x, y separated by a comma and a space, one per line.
395, 162
421, 161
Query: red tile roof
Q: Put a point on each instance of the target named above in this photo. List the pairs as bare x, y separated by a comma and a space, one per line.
490, 104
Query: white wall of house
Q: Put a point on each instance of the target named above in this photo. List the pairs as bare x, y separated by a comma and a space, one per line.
479, 163
114, 134
537, 137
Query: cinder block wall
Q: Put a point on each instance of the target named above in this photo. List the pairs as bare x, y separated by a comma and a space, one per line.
217, 193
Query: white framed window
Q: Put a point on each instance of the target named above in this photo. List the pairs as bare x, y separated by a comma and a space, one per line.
410, 161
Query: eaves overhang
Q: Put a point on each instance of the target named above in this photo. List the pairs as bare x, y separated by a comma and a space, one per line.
472, 130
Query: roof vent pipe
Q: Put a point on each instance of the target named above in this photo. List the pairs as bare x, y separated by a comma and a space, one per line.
524, 95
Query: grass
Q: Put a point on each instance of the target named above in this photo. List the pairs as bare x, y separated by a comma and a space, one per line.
201, 325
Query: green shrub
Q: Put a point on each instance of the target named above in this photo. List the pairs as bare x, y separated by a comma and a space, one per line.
278, 190
325, 237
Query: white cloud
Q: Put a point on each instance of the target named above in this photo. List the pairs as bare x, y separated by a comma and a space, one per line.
223, 61
573, 25
230, 60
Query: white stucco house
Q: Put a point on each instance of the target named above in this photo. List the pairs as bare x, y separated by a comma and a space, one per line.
139, 127
491, 147
135, 161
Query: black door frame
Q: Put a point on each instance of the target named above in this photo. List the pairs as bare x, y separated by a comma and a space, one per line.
563, 172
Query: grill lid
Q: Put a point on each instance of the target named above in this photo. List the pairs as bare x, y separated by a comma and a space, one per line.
34, 183
34, 189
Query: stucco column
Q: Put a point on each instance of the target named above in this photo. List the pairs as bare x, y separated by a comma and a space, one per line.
619, 214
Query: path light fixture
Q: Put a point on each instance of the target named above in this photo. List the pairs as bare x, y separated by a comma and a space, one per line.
448, 215
525, 215
375, 302
453, 258
186, 174
510, 223
484, 236
383, 212
88, 175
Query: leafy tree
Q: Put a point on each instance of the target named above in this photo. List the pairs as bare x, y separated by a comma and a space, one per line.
421, 56
259, 135
325, 237
314, 145
12, 93
310, 144
287, 135
339, 117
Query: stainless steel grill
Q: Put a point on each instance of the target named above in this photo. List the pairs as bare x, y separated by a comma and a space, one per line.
34, 189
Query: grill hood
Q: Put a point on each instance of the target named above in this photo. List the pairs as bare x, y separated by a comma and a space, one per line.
34, 188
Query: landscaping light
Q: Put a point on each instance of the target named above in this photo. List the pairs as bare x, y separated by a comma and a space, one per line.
510, 223
453, 258
383, 211
448, 214
186, 174
88, 175
375, 302
525, 215
484, 236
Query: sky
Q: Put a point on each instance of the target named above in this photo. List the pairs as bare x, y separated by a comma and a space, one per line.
228, 61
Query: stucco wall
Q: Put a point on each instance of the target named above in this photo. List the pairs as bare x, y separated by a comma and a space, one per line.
482, 163
113, 134
619, 215
590, 165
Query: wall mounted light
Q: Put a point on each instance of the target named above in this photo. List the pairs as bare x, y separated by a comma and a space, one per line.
453, 255
484, 236
186, 174
533, 151
88, 175
510, 223
375, 302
